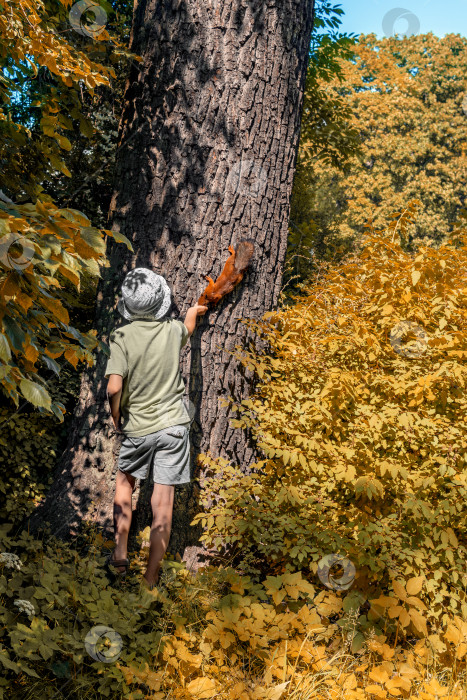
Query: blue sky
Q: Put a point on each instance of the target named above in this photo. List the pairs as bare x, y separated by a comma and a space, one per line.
421, 16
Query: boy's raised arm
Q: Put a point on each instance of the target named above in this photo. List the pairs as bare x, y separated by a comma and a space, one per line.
191, 316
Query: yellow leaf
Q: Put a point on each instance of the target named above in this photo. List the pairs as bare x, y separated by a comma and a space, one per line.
407, 670
436, 643
278, 596
453, 634
379, 674
416, 602
398, 682
361, 668
55, 306
415, 276
350, 682
69, 274
236, 690
72, 357
419, 621
31, 353
276, 692
376, 690
9, 287
202, 688
404, 618
384, 601
24, 301
206, 648
434, 687
35, 393
414, 585
452, 537
399, 590
395, 611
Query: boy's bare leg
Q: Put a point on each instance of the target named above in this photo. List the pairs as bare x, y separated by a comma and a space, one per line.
122, 514
162, 501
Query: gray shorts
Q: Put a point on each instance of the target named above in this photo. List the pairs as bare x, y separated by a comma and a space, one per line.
167, 450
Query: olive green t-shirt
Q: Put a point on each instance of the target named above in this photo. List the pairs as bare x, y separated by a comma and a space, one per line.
146, 354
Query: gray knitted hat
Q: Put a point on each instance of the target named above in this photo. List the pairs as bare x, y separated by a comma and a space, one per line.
144, 295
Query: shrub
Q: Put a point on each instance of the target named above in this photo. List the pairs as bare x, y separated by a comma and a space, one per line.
30, 445
27, 451
363, 436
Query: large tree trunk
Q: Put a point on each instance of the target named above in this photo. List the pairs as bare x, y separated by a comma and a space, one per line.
208, 141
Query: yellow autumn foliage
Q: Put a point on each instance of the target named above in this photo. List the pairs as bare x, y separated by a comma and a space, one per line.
55, 246
45, 250
241, 647
359, 415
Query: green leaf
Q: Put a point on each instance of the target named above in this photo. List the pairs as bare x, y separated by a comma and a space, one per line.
75, 216
35, 393
4, 659
86, 128
93, 237
63, 142
120, 238
5, 352
357, 642
353, 601
105, 348
107, 6
93, 267
28, 670
40, 593
51, 364
50, 241
56, 409
14, 333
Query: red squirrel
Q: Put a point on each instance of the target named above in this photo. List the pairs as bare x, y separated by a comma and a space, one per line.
231, 275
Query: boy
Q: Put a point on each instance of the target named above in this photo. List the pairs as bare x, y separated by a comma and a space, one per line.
145, 392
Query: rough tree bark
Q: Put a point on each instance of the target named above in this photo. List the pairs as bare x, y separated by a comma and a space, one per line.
208, 142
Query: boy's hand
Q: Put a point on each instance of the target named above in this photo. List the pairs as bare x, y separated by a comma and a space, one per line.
200, 310
191, 316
